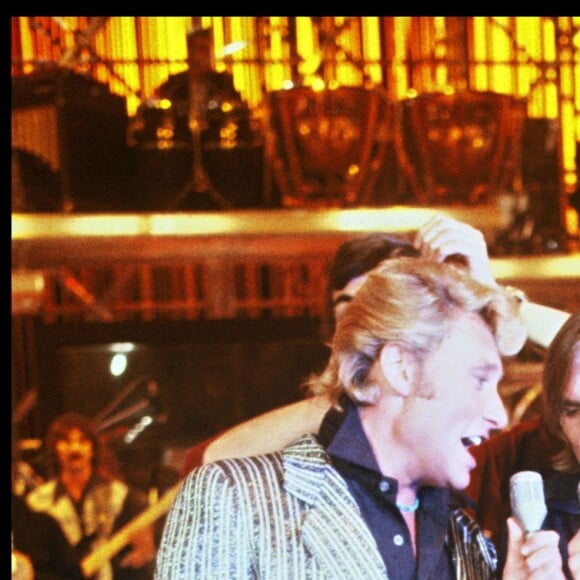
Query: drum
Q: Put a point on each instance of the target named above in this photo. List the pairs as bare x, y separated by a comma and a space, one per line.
228, 124
162, 152
327, 146
223, 115
158, 124
229, 145
460, 147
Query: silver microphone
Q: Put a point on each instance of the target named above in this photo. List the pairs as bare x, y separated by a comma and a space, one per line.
527, 500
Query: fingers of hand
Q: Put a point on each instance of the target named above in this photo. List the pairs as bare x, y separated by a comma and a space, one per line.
441, 237
515, 534
574, 544
134, 560
574, 565
574, 555
542, 554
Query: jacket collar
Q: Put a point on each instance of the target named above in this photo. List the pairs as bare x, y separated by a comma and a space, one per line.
332, 519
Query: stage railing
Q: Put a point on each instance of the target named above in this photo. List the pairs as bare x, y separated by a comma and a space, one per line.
239, 264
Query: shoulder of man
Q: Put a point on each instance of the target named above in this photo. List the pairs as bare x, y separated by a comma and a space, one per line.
41, 496
306, 450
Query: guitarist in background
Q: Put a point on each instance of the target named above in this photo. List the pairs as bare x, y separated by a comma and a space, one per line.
90, 502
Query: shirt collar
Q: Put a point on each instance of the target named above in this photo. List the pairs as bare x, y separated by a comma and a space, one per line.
343, 436
60, 489
350, 442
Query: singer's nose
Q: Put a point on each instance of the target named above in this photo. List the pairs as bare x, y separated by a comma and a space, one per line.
495, 411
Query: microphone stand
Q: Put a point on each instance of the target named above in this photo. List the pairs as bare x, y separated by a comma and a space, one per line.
198, 96
200, 182
103, 416
123, 416
199, 65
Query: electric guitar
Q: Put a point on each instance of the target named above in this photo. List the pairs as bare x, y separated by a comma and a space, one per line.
101, 555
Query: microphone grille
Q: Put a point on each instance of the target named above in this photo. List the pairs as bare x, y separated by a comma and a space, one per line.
527, 499
527, 486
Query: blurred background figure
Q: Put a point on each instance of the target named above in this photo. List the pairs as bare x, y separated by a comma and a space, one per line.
211, 128
90, 502
561, 407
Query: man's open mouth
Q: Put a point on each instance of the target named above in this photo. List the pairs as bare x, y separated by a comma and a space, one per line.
472, 440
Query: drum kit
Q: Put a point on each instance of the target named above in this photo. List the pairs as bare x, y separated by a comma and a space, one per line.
324, 148
195, 144
197, 134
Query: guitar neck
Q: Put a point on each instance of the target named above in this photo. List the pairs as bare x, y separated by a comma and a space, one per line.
99, 557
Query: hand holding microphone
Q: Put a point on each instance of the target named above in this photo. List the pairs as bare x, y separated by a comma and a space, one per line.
533, 553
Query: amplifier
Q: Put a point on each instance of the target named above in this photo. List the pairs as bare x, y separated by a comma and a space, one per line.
75, 127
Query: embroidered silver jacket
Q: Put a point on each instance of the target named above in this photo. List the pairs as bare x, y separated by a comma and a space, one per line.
286, 516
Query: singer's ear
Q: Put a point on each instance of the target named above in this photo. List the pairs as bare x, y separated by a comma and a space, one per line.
399, 368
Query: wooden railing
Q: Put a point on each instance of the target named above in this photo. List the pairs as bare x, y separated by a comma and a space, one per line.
249, 263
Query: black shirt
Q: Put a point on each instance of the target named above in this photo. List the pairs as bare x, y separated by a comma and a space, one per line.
41, 538
562, 490
343, 437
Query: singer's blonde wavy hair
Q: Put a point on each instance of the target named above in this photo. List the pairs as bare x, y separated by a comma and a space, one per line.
410, 301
